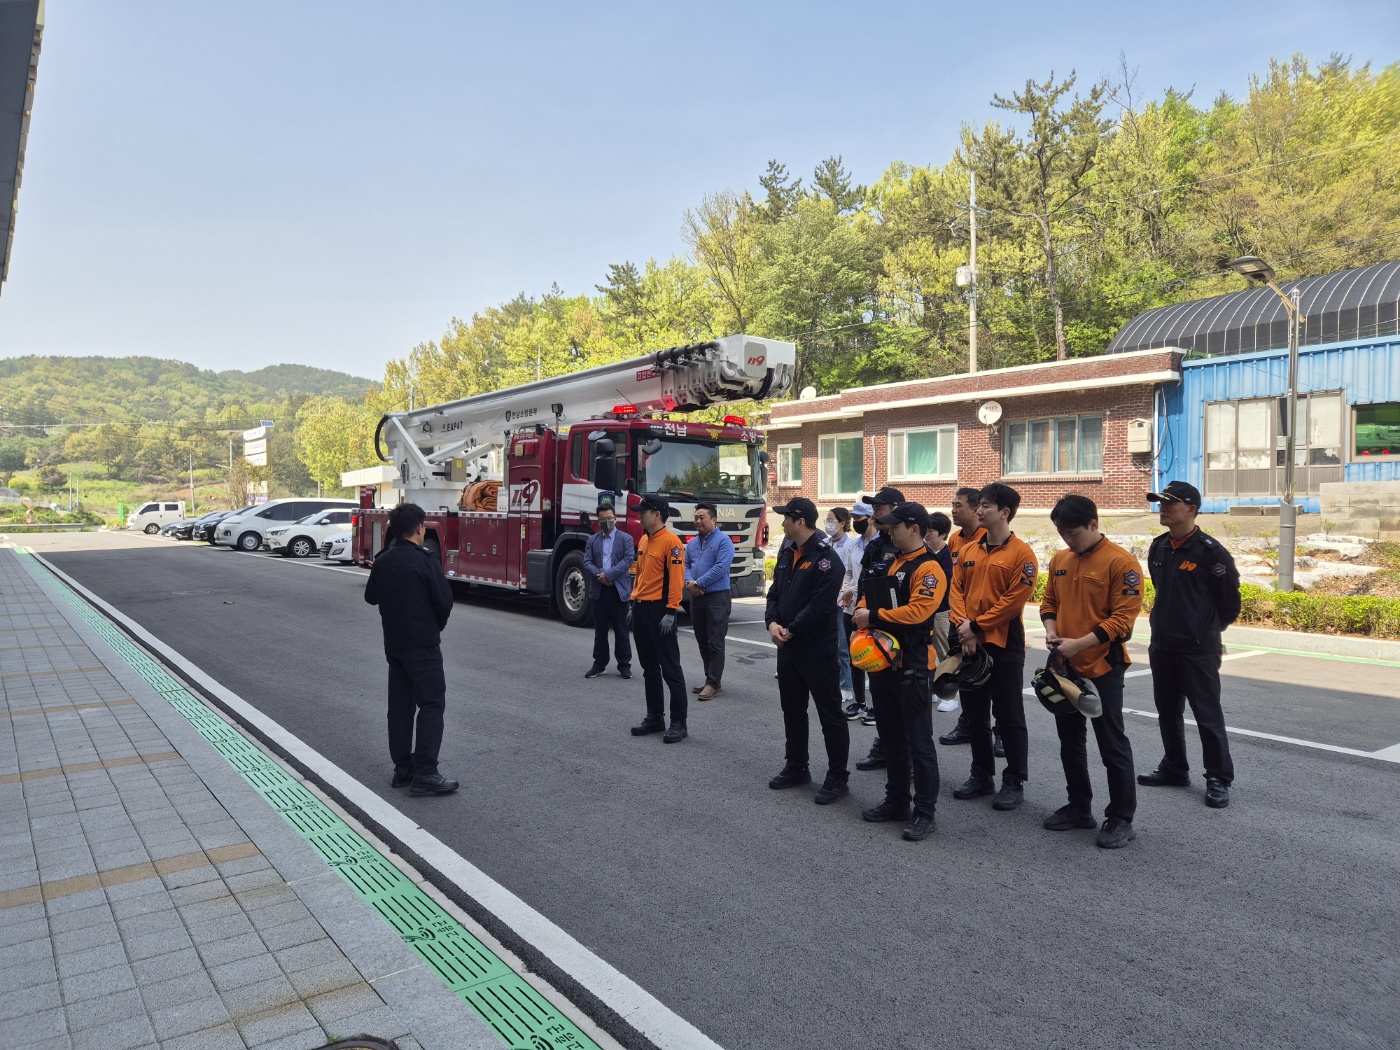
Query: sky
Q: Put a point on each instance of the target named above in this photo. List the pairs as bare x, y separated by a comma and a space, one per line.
249, 183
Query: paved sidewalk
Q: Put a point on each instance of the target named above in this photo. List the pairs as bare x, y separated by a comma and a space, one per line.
148, 896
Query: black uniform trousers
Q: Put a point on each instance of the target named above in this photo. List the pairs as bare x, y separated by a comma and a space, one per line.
1114, 748
610, 614
904, 718
417, 687
660, 657
1195, 677
1000, 697
808, 673
709, 615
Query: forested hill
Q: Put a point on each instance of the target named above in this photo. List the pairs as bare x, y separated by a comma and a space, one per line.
37, 390
286, 380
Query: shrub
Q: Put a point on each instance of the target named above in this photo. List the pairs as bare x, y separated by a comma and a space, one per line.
1321, 613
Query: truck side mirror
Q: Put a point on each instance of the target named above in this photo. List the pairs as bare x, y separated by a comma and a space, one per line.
605, 465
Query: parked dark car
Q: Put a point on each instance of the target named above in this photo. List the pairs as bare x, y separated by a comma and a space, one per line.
204, 526
180, 530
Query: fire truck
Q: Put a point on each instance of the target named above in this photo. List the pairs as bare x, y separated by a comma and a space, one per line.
511, 480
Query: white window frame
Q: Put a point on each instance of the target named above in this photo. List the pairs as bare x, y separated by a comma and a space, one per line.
1054, 433
903, 435
783, 480
823, 491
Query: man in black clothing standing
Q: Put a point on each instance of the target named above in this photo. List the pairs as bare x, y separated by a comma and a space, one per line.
1198, 596
800, 620
879, 552
414, 600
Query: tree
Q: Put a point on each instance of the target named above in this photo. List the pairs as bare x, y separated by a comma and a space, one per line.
333, 436
1056, 155
833, 182
781, 193
721, 234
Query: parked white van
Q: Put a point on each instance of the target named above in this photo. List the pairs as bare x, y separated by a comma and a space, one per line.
247, 529
149, 517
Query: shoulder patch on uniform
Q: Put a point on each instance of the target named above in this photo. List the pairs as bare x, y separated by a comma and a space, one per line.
676, 552
1131, 579
824, 564
1028, 570
1219, 568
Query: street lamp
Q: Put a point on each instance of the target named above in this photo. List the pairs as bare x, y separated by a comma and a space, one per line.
1258, 270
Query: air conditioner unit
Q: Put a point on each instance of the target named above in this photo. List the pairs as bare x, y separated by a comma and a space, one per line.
1139, 435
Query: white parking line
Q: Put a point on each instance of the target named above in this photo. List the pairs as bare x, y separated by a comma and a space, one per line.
638, 1007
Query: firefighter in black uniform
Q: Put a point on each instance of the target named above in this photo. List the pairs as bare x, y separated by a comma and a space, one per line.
1198, 596
802, 625
879, 552
904, 603
414, 600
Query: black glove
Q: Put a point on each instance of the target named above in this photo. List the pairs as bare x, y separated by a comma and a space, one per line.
668, 625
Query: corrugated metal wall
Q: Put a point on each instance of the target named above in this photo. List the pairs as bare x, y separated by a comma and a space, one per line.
1366, 371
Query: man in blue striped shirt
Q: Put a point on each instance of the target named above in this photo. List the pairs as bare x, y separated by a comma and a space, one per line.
708, 557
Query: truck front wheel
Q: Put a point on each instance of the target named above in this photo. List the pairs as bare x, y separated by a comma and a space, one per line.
571, 591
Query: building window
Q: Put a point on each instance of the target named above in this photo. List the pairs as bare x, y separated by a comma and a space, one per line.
840, 466
789, 464
923, 454
1245, 445
1063, 445
1376, 431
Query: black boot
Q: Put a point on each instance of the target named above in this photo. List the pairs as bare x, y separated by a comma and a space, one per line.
958, 734
874, 760
649, 724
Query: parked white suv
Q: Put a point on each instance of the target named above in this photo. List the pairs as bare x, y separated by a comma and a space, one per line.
247, 529
301, 539
150, 517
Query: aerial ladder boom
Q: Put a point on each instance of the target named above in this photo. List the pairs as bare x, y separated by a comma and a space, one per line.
677, 379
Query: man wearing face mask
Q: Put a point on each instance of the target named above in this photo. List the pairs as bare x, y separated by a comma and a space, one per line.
875, 563
608, 561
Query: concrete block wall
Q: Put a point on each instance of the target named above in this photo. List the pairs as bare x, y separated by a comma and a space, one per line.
1363, 508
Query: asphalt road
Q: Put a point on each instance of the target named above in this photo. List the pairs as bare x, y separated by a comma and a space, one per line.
771, 923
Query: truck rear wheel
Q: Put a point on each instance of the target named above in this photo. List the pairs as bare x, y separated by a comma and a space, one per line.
571, 591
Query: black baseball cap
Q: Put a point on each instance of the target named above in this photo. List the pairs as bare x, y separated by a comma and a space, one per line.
889, 496
909, 513
1177, 492
799, 507
652, 501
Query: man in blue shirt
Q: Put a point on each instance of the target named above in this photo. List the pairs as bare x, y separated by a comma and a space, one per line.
608, 561
708, 557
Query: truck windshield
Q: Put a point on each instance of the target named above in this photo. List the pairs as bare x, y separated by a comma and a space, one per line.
700, 469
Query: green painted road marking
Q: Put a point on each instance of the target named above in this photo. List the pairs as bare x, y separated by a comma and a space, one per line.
522, 1017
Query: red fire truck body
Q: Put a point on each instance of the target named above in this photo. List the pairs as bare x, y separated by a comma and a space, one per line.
513, 508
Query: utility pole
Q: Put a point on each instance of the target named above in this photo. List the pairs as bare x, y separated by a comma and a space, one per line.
966, 277
192, 505
972, 264
1256, 269
1288, 509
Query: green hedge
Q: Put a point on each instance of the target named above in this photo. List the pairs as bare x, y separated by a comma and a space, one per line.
1321, 613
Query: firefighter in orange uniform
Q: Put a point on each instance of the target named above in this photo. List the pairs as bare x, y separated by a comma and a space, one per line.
656, 599
1091, 604
992, 581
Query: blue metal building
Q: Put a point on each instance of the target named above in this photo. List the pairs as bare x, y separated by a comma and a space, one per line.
1222, 427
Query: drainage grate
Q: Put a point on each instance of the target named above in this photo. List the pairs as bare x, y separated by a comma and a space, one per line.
520, 1015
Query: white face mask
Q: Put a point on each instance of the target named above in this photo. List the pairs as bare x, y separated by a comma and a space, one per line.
830, 528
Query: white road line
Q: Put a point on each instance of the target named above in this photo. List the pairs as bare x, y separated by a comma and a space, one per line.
1389, 754
616, 990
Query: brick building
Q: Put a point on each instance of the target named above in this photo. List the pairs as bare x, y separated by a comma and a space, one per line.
1067, 426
